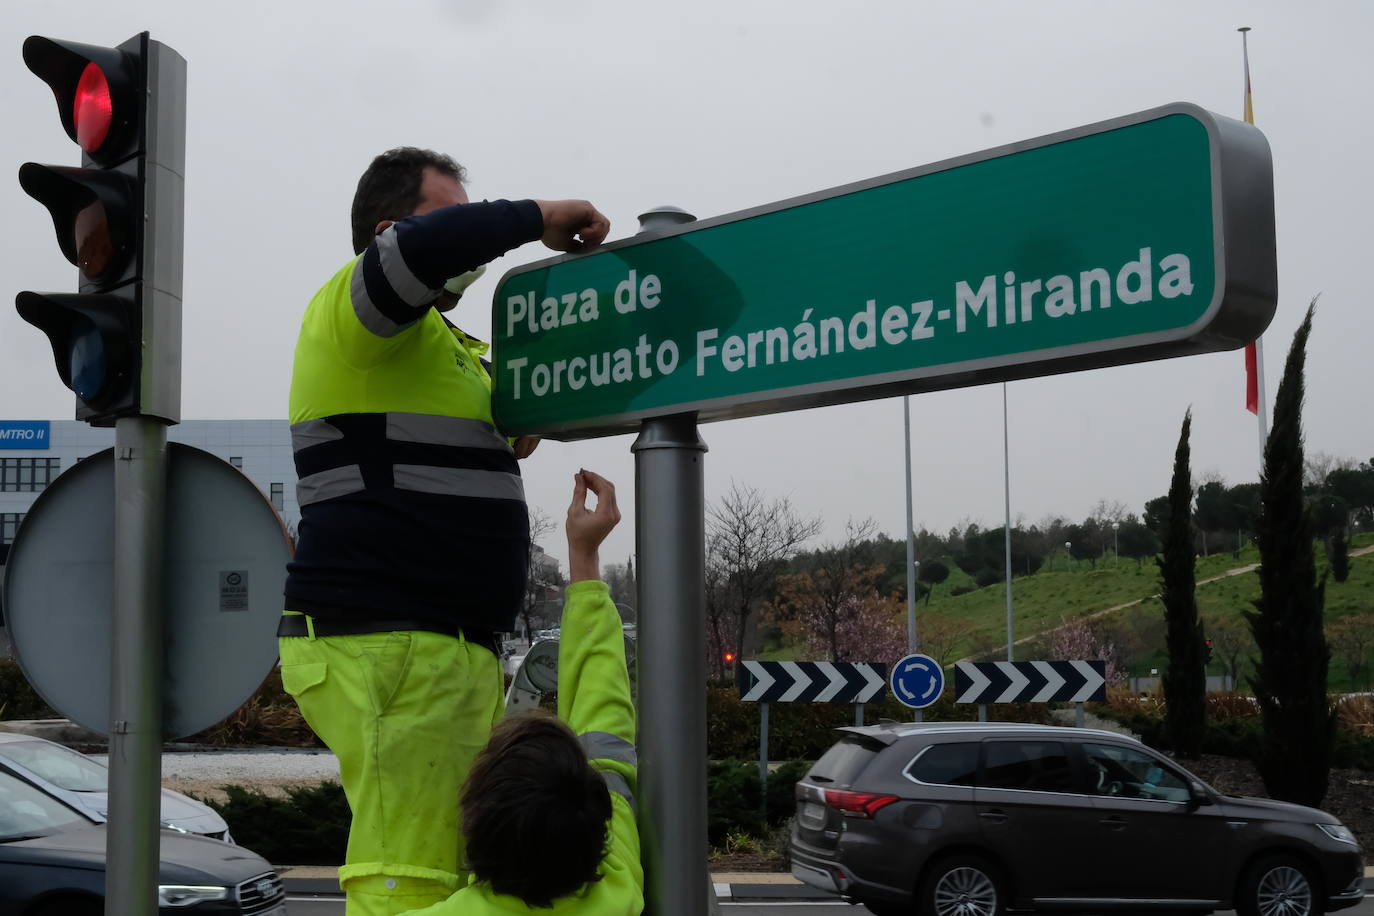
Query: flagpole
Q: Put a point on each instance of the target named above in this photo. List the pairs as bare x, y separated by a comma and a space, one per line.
1261, 413
1006, 478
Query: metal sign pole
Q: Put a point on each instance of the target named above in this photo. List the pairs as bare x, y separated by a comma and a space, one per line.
131, 876
670, 540
763, 757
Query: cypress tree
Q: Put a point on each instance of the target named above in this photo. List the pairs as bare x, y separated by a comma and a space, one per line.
1338, 555
1290, 674
1185, 680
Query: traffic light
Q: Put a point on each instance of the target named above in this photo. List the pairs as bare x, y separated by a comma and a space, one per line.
118, 218
1207, 651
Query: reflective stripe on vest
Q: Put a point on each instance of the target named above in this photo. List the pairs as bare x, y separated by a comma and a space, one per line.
423, 436
412, 298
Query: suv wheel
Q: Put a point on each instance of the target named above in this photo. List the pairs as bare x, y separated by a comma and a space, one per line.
964, 886
1278, 886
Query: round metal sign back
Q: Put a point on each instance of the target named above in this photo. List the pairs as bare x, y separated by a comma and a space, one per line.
225, 566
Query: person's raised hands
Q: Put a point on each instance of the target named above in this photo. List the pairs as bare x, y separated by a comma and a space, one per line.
587, 528
572, 225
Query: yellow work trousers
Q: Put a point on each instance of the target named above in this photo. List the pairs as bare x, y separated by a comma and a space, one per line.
405, 713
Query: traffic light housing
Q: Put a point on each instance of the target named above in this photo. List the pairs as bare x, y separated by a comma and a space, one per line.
118, 218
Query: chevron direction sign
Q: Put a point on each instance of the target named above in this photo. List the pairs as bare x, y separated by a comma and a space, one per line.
1030, 682
811, 682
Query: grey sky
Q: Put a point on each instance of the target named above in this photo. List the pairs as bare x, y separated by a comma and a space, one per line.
718, 106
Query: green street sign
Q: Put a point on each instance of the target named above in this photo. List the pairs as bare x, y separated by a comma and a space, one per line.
1139, 238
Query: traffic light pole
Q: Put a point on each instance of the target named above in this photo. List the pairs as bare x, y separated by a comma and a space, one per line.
131, 874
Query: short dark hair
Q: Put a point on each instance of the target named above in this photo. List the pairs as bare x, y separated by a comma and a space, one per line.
534, 811
390, 188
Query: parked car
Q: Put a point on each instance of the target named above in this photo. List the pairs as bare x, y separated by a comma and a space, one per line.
52, 863
82, 783
974, 819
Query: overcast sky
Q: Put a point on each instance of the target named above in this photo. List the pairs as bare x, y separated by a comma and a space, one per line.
716, 107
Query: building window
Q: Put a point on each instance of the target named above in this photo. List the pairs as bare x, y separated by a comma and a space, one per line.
237, 462
9, 524
27, 474
277, 496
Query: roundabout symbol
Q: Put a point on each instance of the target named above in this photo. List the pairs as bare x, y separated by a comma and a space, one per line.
917, 681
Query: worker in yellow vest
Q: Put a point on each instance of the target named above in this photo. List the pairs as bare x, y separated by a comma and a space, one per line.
548, 811
413, 544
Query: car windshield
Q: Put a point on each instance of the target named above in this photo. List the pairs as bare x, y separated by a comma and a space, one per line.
27, 812
61, 766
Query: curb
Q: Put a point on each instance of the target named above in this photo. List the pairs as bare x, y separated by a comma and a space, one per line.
329, 887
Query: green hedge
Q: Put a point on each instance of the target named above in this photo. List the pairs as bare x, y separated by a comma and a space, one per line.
18, 700
1239, 736
803, 731
310, 825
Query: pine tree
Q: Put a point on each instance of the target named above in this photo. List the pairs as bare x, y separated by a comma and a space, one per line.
1290, 678
1185, 680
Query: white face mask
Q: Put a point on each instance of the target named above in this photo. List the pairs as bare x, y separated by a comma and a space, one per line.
457, 284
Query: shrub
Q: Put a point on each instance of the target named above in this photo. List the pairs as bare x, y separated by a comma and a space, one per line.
268, 717
18, 699
308, 827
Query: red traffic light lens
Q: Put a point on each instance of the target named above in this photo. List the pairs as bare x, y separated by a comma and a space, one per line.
92, 109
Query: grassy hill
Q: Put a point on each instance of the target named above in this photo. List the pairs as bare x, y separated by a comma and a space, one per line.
1075, 589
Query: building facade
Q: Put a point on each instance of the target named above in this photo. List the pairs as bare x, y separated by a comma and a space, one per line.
34, 453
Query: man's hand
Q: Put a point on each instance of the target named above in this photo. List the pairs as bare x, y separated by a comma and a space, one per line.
587, 528
572, 225
524, 446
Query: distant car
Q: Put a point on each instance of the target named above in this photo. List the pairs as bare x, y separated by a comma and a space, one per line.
52, 863
83, 783
976, 819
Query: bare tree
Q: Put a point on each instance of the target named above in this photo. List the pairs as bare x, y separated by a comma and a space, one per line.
1105, 515
620, 578
750, 537
942, 634
1232, 643
1351, 639
822, 595
542, 574
1317, 466
720, 633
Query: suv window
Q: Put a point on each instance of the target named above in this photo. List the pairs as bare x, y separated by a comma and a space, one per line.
1036, 766
843, 762
1128, 773
946, 765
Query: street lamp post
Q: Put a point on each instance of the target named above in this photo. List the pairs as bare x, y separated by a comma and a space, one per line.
1116, 543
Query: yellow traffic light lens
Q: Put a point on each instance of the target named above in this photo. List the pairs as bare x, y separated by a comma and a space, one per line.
95, 249
92, 109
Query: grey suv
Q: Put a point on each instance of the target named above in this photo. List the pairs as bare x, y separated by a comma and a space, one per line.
973, 819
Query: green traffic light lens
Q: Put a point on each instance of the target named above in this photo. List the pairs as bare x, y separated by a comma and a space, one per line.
92, 109
88, 363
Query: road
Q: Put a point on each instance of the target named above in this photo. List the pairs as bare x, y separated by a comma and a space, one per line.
316, 907
300, 906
